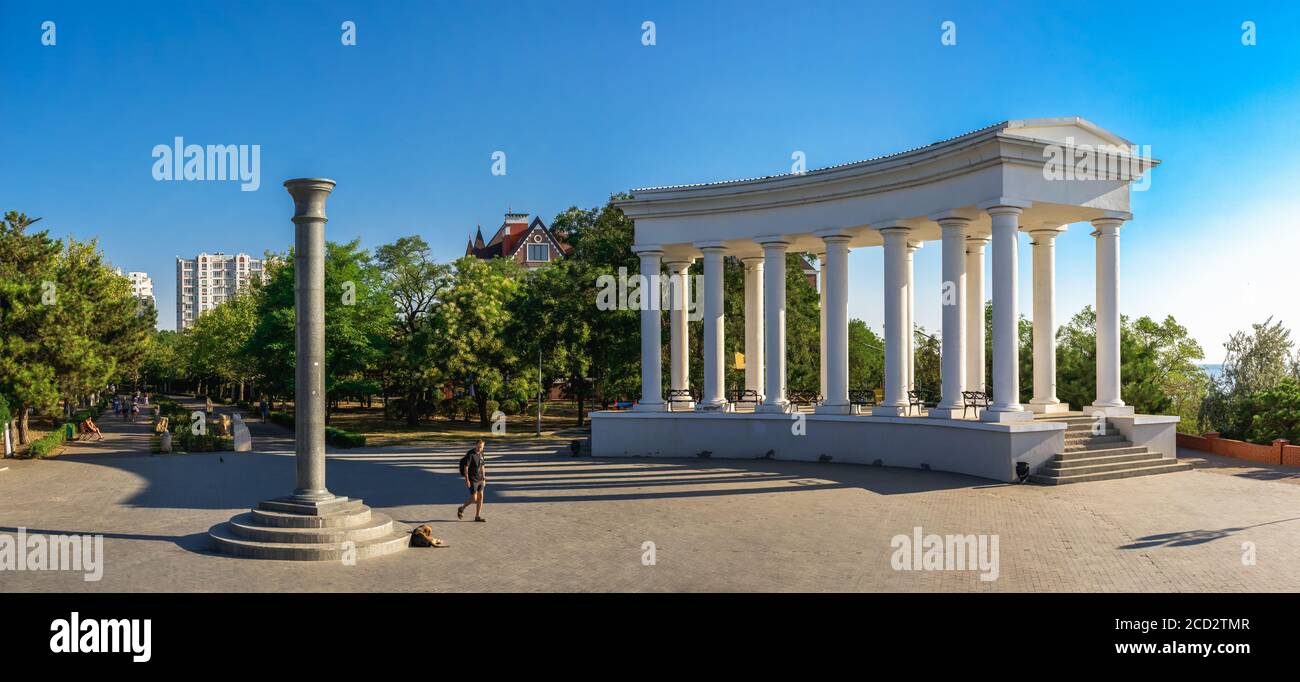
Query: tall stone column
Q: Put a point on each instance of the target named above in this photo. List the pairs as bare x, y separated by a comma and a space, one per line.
309, 300
895, 292
835, 323
715, 366
821, 329
912, 246
1108, 321
312, 524
975, 312
774, 322
679, 370
953, 304
652, 397
1006, 405
754, 324
1044, 248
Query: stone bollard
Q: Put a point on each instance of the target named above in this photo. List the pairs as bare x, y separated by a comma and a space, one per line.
243, 439
166, 443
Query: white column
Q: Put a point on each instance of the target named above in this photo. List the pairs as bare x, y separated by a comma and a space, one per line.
1108, 324
774, 323
1044, 248
715, 366
821, 306
754, 324
1006, 405
895, 292
835, 323
975, 312
652, 398
953, 304
679, 372
911, 314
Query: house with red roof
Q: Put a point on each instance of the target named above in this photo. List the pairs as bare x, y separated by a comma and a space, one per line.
530, 243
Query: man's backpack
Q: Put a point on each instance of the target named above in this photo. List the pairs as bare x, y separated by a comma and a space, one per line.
464, 464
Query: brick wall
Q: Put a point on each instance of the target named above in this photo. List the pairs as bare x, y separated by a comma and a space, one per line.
1280, 452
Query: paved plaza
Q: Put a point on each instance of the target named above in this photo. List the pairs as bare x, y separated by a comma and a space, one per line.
579, 524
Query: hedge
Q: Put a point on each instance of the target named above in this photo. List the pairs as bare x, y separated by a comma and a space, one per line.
46, 444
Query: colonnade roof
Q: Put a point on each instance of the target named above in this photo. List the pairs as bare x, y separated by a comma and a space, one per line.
1030, 163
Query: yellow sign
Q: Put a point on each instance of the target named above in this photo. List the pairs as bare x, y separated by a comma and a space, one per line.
740, 361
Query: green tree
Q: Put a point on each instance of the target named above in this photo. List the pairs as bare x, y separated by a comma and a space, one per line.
866, 357
28, 261
417, 284
359, 318
472, 324
1256, 362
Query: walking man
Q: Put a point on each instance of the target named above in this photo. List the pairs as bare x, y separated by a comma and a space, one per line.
474, 471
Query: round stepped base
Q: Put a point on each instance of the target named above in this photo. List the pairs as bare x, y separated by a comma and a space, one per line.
346, 529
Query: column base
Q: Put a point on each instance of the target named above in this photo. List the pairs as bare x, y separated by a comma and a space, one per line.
782, 407
650, 407
832, 408
1110, 410
1006, 417
951, 412
343, 529
889, 411
681, 405
1048, 408
713, 406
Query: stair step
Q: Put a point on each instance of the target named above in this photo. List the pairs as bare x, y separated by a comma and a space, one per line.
245, 526
1093, 447
1089, 466
346, 519
1090, 438
1099, 452
1171, 467
226, 542
1141, 455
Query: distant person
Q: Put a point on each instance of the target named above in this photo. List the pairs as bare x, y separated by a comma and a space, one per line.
264, 409
474, 471
135, 410
208, 404
88, 427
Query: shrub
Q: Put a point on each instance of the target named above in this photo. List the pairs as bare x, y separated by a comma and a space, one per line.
510, 407
493, 407
344, 439
43, 446
5, 415
466, 408
1276, 413
447, 409
282, 418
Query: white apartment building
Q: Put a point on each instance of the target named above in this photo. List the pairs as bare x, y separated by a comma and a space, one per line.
210, 279
141, 285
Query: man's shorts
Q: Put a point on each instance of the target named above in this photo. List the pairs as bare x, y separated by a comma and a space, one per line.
475, 487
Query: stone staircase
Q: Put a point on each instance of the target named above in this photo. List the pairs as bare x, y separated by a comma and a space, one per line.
278, 530
1090, 457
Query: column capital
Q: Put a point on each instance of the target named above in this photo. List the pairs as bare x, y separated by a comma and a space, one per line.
962, 214
833, 235
1046, 232
678, 264
978, 241
893, 225
773, 240
710, 246
1106, 226
752, 262
912, 246
1004, 205
648, 249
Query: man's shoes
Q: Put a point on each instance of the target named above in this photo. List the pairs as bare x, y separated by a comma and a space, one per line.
460, 513
480, 519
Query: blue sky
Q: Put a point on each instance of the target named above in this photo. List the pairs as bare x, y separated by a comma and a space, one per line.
407, 119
